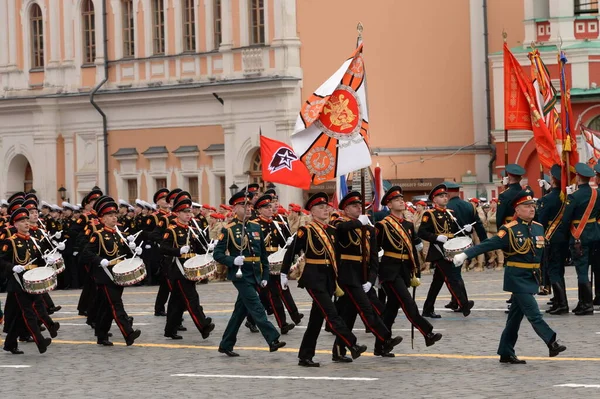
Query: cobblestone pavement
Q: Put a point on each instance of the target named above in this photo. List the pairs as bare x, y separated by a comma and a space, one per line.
463, 364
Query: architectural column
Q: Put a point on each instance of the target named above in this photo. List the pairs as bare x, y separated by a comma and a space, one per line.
286, 42
99, 32
70, 166
562, 13
226, 25
12, 33
4, 43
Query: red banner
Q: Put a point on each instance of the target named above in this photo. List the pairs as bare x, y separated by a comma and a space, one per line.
280, 164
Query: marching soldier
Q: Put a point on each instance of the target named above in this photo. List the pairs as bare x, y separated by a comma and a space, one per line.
399, 267
105, 249
582, 210
72, 277
18, 254
241, 248
523, 241
514, 174
550, 210
317, 241
354, 280
181, 242
437, 226
153, 231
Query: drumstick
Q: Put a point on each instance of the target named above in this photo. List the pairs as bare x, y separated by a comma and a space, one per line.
463, 229
30, 262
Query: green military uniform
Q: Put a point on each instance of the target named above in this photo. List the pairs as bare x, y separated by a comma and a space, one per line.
523, 242
579, 221
505, 211
255, 269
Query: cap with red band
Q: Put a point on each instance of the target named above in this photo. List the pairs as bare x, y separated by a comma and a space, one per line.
19, 214
316, 199
437, 190
353, 197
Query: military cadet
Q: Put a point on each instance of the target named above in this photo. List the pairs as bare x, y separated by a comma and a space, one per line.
512, 180
550, 210
18, 254
106, 248
437, 226
579, 221
354, 278
399, 267
274, 240
523, 241
317, 241
123, 208
180, 242
241, 248
154, 229
71, 273
254, 191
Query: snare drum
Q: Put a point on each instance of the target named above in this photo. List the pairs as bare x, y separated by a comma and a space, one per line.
199, 267
58, 263
129, 272
276, 260
39, 280
456, 246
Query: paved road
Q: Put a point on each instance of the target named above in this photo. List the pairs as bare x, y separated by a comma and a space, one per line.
463, 364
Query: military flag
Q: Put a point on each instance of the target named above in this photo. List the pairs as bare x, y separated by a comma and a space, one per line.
280, 164
569, 154
592, 139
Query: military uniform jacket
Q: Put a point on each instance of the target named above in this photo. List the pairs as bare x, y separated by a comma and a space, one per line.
81, 230
231, 244
273, 239
523, 244
317, 241
349, 252
176, 236
550, 209
466, 213
37, 235
155, 226
505, 211
435, 222
398, 239
18, 249
576, 205
105, 243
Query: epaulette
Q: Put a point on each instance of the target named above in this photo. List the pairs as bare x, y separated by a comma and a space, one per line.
539, 224
511, 223
253, 221
230, 225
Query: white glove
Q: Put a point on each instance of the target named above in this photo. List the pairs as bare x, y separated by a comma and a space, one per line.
459, 259
505, 181
468, 228
364, 219
147, 246
571, 189
54, 242
75, 253
544, 184
263, 283
131, 245
18, 269
239, 260
419, 246
289, 241
49, 261
367, 286
441, 238
211, 247
138, 251
57, 235
184, 250
131, 238
104, 263
284, 281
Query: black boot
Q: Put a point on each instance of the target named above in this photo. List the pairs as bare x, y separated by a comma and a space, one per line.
555, 346
560, 304
579, 295
587, 309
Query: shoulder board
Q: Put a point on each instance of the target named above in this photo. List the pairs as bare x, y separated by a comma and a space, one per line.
536, 223
428, 211
230, 225
511, 224
253, 221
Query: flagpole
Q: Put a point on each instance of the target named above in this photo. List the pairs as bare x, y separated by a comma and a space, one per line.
504, 36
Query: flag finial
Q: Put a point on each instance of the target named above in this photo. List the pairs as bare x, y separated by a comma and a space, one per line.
359, 28
504, 35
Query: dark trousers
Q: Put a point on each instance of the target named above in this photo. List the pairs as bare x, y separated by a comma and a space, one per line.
247, 303
87, 291
399, 297
111, 308
40, 308
523, 305
356, 302
21, 318
557, 257
323, 309
445, 272
47, 300
286, 298
72, 269
274, 297
162, 296
595, 261
376, 303
184, 297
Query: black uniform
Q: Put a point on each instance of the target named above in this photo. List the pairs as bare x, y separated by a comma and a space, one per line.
154, 229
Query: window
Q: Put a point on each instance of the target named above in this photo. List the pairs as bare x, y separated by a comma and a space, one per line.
132, 190
158, 26
37, 37
128, 30
257, 19
583, 7
89, 32
217, 27
193, 188
189, 26
256, 169
160, 183
28, 181
595, 124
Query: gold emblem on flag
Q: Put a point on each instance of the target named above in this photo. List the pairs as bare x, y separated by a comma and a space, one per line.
320, 161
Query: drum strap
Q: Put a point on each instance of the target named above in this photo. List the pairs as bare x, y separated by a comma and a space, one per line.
19, 280
180, 266
108, 273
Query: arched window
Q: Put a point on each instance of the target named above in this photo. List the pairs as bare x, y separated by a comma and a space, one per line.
37, 37
128, 29
189, 26
28, 179
158, 26
595, 124
89, 32
256, 170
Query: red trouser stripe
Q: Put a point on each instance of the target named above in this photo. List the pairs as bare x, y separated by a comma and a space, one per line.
391, 287
40, 317
362, 315
287, 305
270, 296
25, 320
449, 286
348, 344
114, 312
188, 305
